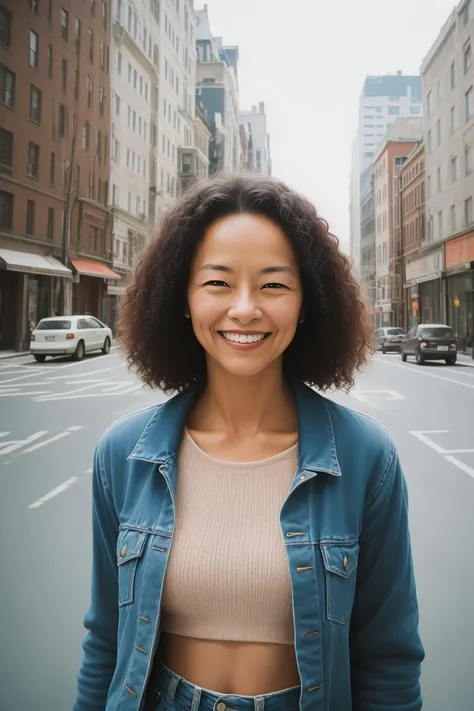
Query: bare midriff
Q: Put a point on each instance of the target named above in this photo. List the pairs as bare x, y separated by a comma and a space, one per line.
241, 668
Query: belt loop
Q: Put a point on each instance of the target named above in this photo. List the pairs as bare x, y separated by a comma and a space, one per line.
196, 699
259, 703
172, 688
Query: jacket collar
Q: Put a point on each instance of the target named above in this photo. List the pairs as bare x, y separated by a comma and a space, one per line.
161, 439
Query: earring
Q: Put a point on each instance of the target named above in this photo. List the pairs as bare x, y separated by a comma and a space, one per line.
301, 321
187, 316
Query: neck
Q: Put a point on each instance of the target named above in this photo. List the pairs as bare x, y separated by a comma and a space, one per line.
244, 406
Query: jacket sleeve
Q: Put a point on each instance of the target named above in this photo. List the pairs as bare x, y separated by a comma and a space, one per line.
386, 650
101, 620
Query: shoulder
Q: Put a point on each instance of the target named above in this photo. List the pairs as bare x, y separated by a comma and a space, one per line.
121, 437
359, 437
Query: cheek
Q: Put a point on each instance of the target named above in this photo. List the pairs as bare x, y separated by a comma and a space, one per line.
204, 309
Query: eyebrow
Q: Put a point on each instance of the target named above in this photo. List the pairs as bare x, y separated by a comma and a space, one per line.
265, 270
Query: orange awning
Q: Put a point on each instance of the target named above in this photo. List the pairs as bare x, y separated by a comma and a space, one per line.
89, 267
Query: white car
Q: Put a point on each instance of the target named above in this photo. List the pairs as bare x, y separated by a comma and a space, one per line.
69, 336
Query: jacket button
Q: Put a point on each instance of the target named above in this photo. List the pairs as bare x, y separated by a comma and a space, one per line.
221, 706
345, 563
123, 551
303, 477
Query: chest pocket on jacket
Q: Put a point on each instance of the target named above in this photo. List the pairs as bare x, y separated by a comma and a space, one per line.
340, 562
130, 547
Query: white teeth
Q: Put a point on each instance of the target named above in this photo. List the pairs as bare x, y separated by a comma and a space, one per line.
244, 338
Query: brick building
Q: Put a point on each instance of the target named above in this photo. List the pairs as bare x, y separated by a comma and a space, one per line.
55, 251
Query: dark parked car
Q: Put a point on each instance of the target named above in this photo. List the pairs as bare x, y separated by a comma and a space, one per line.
430, 342
389, 339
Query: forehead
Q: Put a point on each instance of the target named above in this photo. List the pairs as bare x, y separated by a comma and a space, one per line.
243, 237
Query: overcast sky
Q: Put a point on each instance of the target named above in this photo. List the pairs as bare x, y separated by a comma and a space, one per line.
307, 59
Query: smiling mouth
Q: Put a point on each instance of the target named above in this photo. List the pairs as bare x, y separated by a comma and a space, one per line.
243, 338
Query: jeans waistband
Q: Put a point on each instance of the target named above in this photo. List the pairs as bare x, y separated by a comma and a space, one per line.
194, 698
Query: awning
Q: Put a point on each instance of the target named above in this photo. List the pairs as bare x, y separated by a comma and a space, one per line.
30, 263
89, 267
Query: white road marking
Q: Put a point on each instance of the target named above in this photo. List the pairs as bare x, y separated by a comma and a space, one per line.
79, 394
20, 393
360, 394
461, 465
421, 435
90, 372
12, 446
55, 492
52, 439
420, 371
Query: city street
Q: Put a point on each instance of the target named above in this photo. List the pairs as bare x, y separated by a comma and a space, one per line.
51, 417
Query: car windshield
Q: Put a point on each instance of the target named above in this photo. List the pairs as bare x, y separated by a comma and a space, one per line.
395, 332
436, 332
56, 325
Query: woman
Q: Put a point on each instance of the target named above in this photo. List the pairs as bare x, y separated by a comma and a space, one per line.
251, 544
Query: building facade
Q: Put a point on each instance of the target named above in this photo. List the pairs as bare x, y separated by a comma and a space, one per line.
383, 99
388, 161
368, 241
448, 95
55, 248
256, 118
413, 225
217, 89
193, 160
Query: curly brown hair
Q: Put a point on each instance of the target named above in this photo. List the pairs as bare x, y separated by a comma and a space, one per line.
335, 339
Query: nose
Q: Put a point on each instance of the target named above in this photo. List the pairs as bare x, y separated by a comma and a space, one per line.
244, 307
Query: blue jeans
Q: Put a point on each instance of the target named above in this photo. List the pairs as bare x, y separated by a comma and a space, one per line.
169, 692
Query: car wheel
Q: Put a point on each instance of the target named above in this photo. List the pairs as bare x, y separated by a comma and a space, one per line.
419, 357
106, 347
403, 355
79, 352
39, 358
451, 361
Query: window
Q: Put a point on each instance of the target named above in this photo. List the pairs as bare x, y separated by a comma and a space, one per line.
77, 34
438, 93
465, 14
439, 178
468, 102
393, 110
452, 119
468, 211
429, 185
64, 19
133, 160
6, 210
86, 132
430, 142
52, 169
93, 238
89, 91
429, 103
453, 75
91, 187
415, 110
115, 195
104, 15
116, 151
101, 54
91, 45
98, 143
50, 223
62, 120
5, 26
134, 121
35, 104
128, 158
64, 74
468, 160
137, 206
33, 53
452, 218
101, 100
155, 9
119, 63
117, 105
438, 132
139, 165
440, 224
129, 202
76, 84
92, 2
135, 77
454, 169
7, 86
32, 167
30, 217
6, 148
467, 57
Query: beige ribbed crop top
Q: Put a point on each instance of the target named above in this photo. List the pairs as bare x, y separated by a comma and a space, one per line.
227, 576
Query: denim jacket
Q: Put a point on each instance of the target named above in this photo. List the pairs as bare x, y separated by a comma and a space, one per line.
345, 527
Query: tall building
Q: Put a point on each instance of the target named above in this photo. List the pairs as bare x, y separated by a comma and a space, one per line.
447, 272
217, 89
261, 156
382, 100
55, 249
193, 159
367, 241
399, 142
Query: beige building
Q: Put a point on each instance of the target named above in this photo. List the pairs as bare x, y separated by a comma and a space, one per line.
193, 160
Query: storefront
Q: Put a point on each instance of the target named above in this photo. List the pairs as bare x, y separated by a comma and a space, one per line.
459, 259
423, 289
90, 288
31, 288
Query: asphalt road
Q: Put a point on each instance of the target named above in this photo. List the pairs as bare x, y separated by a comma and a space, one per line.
51, 417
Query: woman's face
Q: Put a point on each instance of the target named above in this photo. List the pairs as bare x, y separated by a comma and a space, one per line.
244, 294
